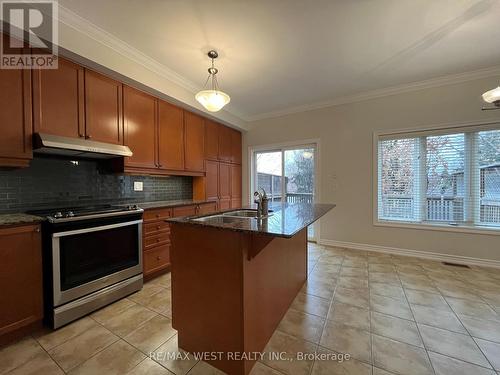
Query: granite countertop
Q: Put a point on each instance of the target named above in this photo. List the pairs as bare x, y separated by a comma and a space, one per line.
176, 203
18, 218
286, 220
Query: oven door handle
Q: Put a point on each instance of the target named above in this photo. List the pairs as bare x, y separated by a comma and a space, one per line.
95, 229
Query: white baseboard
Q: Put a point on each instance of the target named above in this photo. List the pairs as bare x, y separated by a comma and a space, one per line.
413, 253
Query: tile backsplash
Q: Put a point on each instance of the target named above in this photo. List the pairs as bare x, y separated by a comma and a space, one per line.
50, 182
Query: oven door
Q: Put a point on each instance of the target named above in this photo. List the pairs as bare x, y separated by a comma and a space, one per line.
89, 259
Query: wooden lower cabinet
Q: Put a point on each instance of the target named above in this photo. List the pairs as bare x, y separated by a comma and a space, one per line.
156, 236
185, 210
21, 299
156, 242
156, 260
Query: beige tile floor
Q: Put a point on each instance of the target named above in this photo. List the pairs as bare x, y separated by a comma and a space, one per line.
392, 314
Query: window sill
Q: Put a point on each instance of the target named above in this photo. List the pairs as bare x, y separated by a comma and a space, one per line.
492, 231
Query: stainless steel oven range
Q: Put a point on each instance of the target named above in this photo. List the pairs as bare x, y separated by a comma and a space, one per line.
92, 256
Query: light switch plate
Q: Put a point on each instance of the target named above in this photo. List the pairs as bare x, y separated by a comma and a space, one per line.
138, 186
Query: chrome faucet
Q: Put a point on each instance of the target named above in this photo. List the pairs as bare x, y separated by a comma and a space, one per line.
262, 203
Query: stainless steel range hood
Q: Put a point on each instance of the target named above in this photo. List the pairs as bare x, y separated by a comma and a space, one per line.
77, 147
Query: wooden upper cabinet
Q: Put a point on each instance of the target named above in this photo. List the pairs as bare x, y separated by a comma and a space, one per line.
58, 100
139, 111
15, 117
194, 135
103, 108
170, 136
236, 147
21, 278
235, 181
211, 180
211, 140
225, 147
224, 181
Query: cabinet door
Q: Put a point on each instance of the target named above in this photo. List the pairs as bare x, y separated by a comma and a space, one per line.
211, 180
185, 211
103, 108
235, 186
225, 147
236, 203
140, 128
15, 117
224, 204
211, 140
170, 136
58, 100
235, 181
194, 136
236, 147
20, 277
156, 259
224, 181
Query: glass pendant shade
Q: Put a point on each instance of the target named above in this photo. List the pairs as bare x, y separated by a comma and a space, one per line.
212, 100
492, 96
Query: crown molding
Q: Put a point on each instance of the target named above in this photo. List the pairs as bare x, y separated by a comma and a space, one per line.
101, 36
379, 93
84, 26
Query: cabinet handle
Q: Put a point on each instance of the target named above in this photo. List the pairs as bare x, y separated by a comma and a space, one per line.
37, 230
158, 257
81, 135
160, 165
88, 136
158, 227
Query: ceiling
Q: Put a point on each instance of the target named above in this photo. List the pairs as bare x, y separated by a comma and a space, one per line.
282, 54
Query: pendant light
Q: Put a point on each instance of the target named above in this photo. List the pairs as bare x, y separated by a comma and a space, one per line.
492, 97
213, 99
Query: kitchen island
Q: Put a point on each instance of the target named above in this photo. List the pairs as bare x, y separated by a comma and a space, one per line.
234, 276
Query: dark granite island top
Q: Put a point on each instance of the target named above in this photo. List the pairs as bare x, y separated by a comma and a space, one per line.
234, 278
286, 220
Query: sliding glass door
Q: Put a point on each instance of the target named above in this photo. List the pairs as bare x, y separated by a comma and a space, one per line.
286, 174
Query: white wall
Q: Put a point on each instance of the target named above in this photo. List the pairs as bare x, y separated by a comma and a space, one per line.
346, 132
83, 39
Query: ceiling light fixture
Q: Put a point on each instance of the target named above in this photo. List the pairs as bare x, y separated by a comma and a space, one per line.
492, 97
213, 100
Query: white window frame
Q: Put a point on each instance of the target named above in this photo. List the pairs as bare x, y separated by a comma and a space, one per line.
467, 128
283, 147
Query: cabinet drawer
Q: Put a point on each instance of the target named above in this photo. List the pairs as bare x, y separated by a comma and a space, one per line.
157, 214
156, 259
154, 228
153, 241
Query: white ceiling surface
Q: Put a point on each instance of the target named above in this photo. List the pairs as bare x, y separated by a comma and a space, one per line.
281, 54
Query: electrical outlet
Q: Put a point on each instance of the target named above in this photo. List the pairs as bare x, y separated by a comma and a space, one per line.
138, 186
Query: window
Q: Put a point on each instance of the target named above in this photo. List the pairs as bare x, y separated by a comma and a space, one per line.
440, 177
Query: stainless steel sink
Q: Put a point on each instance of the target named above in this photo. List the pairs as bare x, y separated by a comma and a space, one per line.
245, 213
230, 217
220, 219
